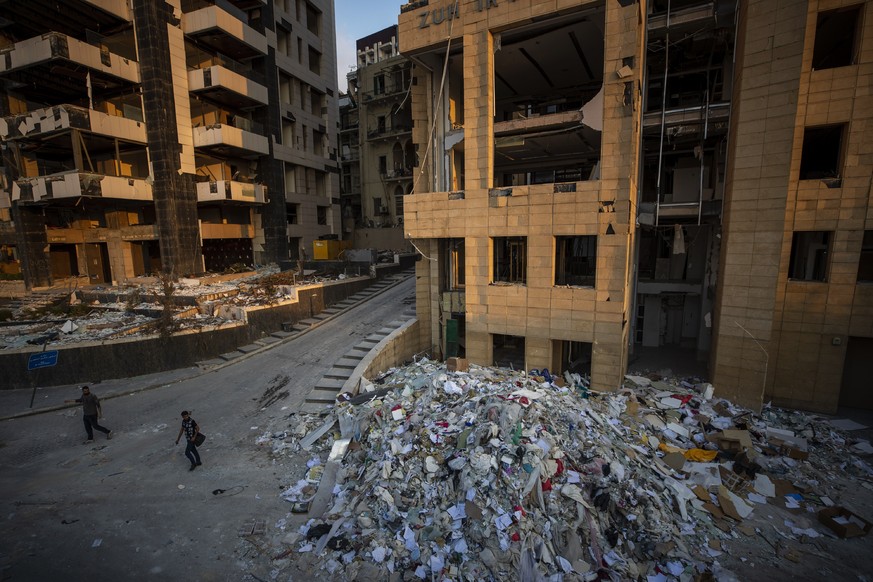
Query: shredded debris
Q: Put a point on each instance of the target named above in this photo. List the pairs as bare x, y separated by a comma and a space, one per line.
99, 313
491, 473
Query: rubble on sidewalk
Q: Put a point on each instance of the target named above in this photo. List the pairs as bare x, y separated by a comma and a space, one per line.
490, 473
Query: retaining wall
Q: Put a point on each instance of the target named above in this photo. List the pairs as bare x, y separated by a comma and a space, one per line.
127, 357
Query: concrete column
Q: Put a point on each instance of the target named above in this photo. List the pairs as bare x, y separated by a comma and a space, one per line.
161, 49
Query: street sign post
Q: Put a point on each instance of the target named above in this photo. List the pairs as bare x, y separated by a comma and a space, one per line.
42, 360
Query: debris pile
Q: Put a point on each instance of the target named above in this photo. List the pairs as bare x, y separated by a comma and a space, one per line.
490, 473
105, 313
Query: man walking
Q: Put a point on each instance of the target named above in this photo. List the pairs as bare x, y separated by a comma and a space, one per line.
92, 411
191, 430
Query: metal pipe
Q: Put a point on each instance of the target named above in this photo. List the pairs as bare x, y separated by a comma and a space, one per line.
663, 117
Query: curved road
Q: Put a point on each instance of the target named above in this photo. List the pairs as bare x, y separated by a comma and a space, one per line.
129, 509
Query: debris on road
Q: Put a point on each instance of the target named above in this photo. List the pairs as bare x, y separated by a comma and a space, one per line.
491, 473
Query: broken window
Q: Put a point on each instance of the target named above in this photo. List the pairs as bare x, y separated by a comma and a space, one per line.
865, 264
508, 351
383, 162
822, 152
322, 215
398, 202
510, 259
575, 357
836, 33
377, 205
453, 255
293, 213
548, 112
294, 248
379, 84
575, 260
809, 256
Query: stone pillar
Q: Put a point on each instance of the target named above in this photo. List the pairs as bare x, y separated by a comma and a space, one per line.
161, 50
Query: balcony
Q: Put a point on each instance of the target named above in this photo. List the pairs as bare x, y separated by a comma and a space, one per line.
227, 87
227, 140
218, 28
212, 231
44, 122
231, 191
54, 67
397, 175
74, 185
72, 16
388, 131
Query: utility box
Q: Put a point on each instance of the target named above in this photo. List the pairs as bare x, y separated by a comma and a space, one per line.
328, 250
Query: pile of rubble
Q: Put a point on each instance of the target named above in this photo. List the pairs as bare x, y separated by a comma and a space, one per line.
131, 309
488, 473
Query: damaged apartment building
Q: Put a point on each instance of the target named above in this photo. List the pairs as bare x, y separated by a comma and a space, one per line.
376, 147
177, 135
614, 181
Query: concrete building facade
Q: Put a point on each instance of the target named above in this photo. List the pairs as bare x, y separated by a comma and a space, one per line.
180, 136
376, 143
601, 181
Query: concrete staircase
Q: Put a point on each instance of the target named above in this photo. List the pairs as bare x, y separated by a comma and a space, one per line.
325, 390
291, 330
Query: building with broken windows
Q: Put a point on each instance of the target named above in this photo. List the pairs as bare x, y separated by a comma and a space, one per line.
181, 135
376, 143
601, 181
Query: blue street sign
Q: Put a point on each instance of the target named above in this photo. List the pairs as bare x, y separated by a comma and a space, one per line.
42, 360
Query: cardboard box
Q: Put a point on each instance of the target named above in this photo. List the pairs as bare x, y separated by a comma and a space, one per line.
457, 365
843, 522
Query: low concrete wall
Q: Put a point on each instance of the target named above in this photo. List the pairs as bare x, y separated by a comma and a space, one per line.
396, 349
124, 358
381, 238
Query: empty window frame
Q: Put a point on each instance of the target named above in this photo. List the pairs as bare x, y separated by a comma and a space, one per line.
383, 165
809, 255
454, 259
510, 259
865, 263
822, 153
322, 215
398, 203
293, 213
836, 38
576, 260
508, 351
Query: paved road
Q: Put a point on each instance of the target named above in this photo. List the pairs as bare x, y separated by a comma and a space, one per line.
129, 509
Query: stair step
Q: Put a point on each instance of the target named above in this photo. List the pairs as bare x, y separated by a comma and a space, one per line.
231, 355
282, 334
348, 361
268, 340
329, 384
249, 348
211, 363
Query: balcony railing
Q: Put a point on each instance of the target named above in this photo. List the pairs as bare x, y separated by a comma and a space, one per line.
388, 130
75, 184
231, 191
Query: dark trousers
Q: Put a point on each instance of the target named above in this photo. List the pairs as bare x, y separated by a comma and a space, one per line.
91, 421
192, 454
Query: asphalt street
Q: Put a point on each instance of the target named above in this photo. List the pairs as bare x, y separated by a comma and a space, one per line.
129, 508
